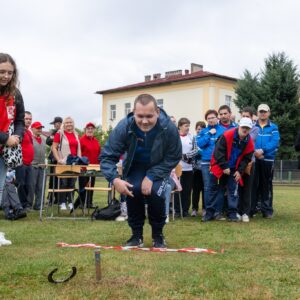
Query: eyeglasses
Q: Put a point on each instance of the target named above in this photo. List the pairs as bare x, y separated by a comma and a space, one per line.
212, 118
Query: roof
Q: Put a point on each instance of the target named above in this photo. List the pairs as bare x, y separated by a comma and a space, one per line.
167, 80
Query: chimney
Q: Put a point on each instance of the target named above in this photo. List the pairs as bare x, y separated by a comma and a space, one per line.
156, 76
196, 68
173, 73
147, 78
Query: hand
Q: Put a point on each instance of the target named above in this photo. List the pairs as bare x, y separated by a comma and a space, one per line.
213, 131
122, 187
259, 153
12, 141
237, 176
146, 186
61, 162
226, 171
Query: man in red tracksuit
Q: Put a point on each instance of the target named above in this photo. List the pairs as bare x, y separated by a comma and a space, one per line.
232, 153
24, 172
90, 148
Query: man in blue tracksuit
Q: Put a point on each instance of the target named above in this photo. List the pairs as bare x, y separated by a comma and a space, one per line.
206, 140
225, 117
153, 148
266, 146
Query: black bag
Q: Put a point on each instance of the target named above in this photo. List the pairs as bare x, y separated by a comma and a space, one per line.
109, 212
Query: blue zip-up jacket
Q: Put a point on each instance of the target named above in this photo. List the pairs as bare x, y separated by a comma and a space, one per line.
165, 153
231, 125
206, 141
268, 140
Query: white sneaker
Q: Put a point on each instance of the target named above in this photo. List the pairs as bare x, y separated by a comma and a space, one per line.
239, 217
245, 218
121, 218
70, 206
3, 240
63, 206
194, 213
167, 219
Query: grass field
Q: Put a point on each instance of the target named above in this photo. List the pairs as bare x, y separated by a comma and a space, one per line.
261, 258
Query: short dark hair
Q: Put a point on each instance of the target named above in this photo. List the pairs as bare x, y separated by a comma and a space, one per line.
249, 110
224, 107
145, 99
183, 121
201, 124
28, 112
211, 111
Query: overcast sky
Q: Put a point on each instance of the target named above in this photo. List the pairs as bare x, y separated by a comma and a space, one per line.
66, 50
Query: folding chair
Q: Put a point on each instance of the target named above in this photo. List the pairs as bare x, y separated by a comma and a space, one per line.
178, 172
63, 171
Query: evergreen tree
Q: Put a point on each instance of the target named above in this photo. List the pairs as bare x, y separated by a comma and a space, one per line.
277, 86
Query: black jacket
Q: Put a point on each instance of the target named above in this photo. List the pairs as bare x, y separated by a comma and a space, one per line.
19, 120
166, 150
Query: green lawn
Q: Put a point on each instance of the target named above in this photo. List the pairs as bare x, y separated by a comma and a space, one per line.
261, 258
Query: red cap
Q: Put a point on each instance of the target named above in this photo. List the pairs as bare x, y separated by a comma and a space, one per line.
37, 125
90, 124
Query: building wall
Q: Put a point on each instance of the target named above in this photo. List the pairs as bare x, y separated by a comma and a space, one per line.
183, 99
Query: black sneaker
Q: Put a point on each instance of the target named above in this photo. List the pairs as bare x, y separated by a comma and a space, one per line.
135, 241
159, 241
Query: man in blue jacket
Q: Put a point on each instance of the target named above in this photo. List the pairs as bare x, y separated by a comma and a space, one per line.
153, 148
266, 146
206, 142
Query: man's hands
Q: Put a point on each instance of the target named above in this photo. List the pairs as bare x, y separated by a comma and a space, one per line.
146, 186
213, 131
237, 176
122, 187
259, 153
13, 140
226, 171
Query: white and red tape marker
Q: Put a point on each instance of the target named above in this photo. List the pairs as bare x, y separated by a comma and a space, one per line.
122, 248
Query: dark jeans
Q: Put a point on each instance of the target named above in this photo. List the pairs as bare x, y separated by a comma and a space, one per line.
66, 183
263, 186
136, 205
198, 187
25, 186
186, 181
216, 189
83, 181
245, 193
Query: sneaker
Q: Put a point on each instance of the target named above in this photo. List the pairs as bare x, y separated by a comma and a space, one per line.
245, 218
121, 218
206, 218
167, 219
220, 217
63, 206
70, 205
3, 240
239, 217
159, 241
233, 218
194, 213
135, 241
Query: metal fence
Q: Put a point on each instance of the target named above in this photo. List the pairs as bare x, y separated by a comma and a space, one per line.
286, 171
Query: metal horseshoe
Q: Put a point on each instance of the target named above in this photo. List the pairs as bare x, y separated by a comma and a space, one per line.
72, 274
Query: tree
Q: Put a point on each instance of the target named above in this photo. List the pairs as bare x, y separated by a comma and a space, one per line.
278, 86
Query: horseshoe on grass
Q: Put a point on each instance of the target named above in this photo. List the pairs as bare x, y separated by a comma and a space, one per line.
72, 274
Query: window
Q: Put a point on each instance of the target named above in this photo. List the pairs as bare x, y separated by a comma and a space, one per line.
160, 103
127, 108
228, 100
113, 112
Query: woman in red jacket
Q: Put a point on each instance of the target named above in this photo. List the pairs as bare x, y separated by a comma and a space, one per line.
90, 148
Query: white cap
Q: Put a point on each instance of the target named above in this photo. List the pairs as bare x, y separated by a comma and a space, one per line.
264, 107
245, 122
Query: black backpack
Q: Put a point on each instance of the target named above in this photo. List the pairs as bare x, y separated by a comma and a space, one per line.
109, 212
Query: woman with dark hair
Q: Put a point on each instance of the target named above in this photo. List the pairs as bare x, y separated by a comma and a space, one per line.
11, 113
198, 185
189, 151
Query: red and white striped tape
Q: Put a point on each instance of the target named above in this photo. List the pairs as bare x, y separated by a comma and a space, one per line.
122, 248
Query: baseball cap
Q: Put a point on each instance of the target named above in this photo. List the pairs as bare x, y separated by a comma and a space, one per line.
37, 125
245, 122
264, 107
90, 124
57, 120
